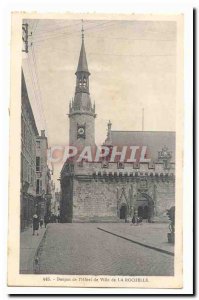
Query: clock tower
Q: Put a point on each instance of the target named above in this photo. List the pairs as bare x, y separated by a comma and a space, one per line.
81, 111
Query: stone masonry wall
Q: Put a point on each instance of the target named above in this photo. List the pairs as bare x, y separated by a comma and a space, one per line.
165, 196
98, 194
95, 201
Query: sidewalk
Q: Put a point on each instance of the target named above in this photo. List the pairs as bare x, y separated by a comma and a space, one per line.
151, 235
28, 248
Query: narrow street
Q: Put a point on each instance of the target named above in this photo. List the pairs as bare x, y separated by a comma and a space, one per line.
83, 249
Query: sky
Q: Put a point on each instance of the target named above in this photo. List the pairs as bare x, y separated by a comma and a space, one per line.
132, 66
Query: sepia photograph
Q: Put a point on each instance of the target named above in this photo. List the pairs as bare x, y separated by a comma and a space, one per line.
98, 198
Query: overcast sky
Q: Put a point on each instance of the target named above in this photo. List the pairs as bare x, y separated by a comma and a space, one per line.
132, 66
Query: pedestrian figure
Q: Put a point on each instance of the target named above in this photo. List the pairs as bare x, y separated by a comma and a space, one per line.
41, 223
133, 219
45, 220
35, 224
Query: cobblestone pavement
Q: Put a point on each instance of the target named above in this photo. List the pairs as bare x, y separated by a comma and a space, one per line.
147, 233
82, 249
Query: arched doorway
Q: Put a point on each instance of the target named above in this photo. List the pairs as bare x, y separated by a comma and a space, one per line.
123, 212
140, 211
145, 206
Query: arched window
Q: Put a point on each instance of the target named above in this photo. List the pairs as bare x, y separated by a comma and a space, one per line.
84, 82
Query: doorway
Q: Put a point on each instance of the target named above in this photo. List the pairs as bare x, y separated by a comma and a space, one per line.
145, 206
123, 212
140, 211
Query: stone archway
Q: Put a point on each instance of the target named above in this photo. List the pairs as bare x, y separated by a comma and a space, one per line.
145, 206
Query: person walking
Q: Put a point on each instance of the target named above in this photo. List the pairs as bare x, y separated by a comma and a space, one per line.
46, 219
35, 224
135, 218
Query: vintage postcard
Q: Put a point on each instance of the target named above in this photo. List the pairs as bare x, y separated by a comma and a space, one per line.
96, 150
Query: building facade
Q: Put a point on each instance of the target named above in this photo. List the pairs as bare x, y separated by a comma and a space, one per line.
55, 204
35, 193
113, 191
43, 176
29, 133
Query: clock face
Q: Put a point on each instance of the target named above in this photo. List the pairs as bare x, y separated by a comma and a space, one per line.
81, 130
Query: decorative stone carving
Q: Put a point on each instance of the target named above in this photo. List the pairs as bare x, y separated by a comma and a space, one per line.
165, 156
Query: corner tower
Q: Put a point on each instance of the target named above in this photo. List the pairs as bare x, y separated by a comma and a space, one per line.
81, 111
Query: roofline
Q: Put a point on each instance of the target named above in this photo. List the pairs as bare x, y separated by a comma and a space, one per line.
27, 100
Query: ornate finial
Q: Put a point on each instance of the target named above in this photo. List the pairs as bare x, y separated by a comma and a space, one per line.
108, 139
82, 29
109, 125
165, 156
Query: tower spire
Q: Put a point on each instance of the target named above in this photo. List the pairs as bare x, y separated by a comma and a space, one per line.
82, 30
82, 101
82, 64
82, 113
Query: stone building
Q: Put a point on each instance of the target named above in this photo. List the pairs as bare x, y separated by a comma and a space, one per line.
111, 191
55, 204
43, 176
29, 133
35, 193
52, 188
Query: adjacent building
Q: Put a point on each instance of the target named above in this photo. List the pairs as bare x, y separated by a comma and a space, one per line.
55, 204
43, 176
105, 191
29, 133
35, 195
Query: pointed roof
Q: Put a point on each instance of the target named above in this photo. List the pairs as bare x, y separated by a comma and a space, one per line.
82, 64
